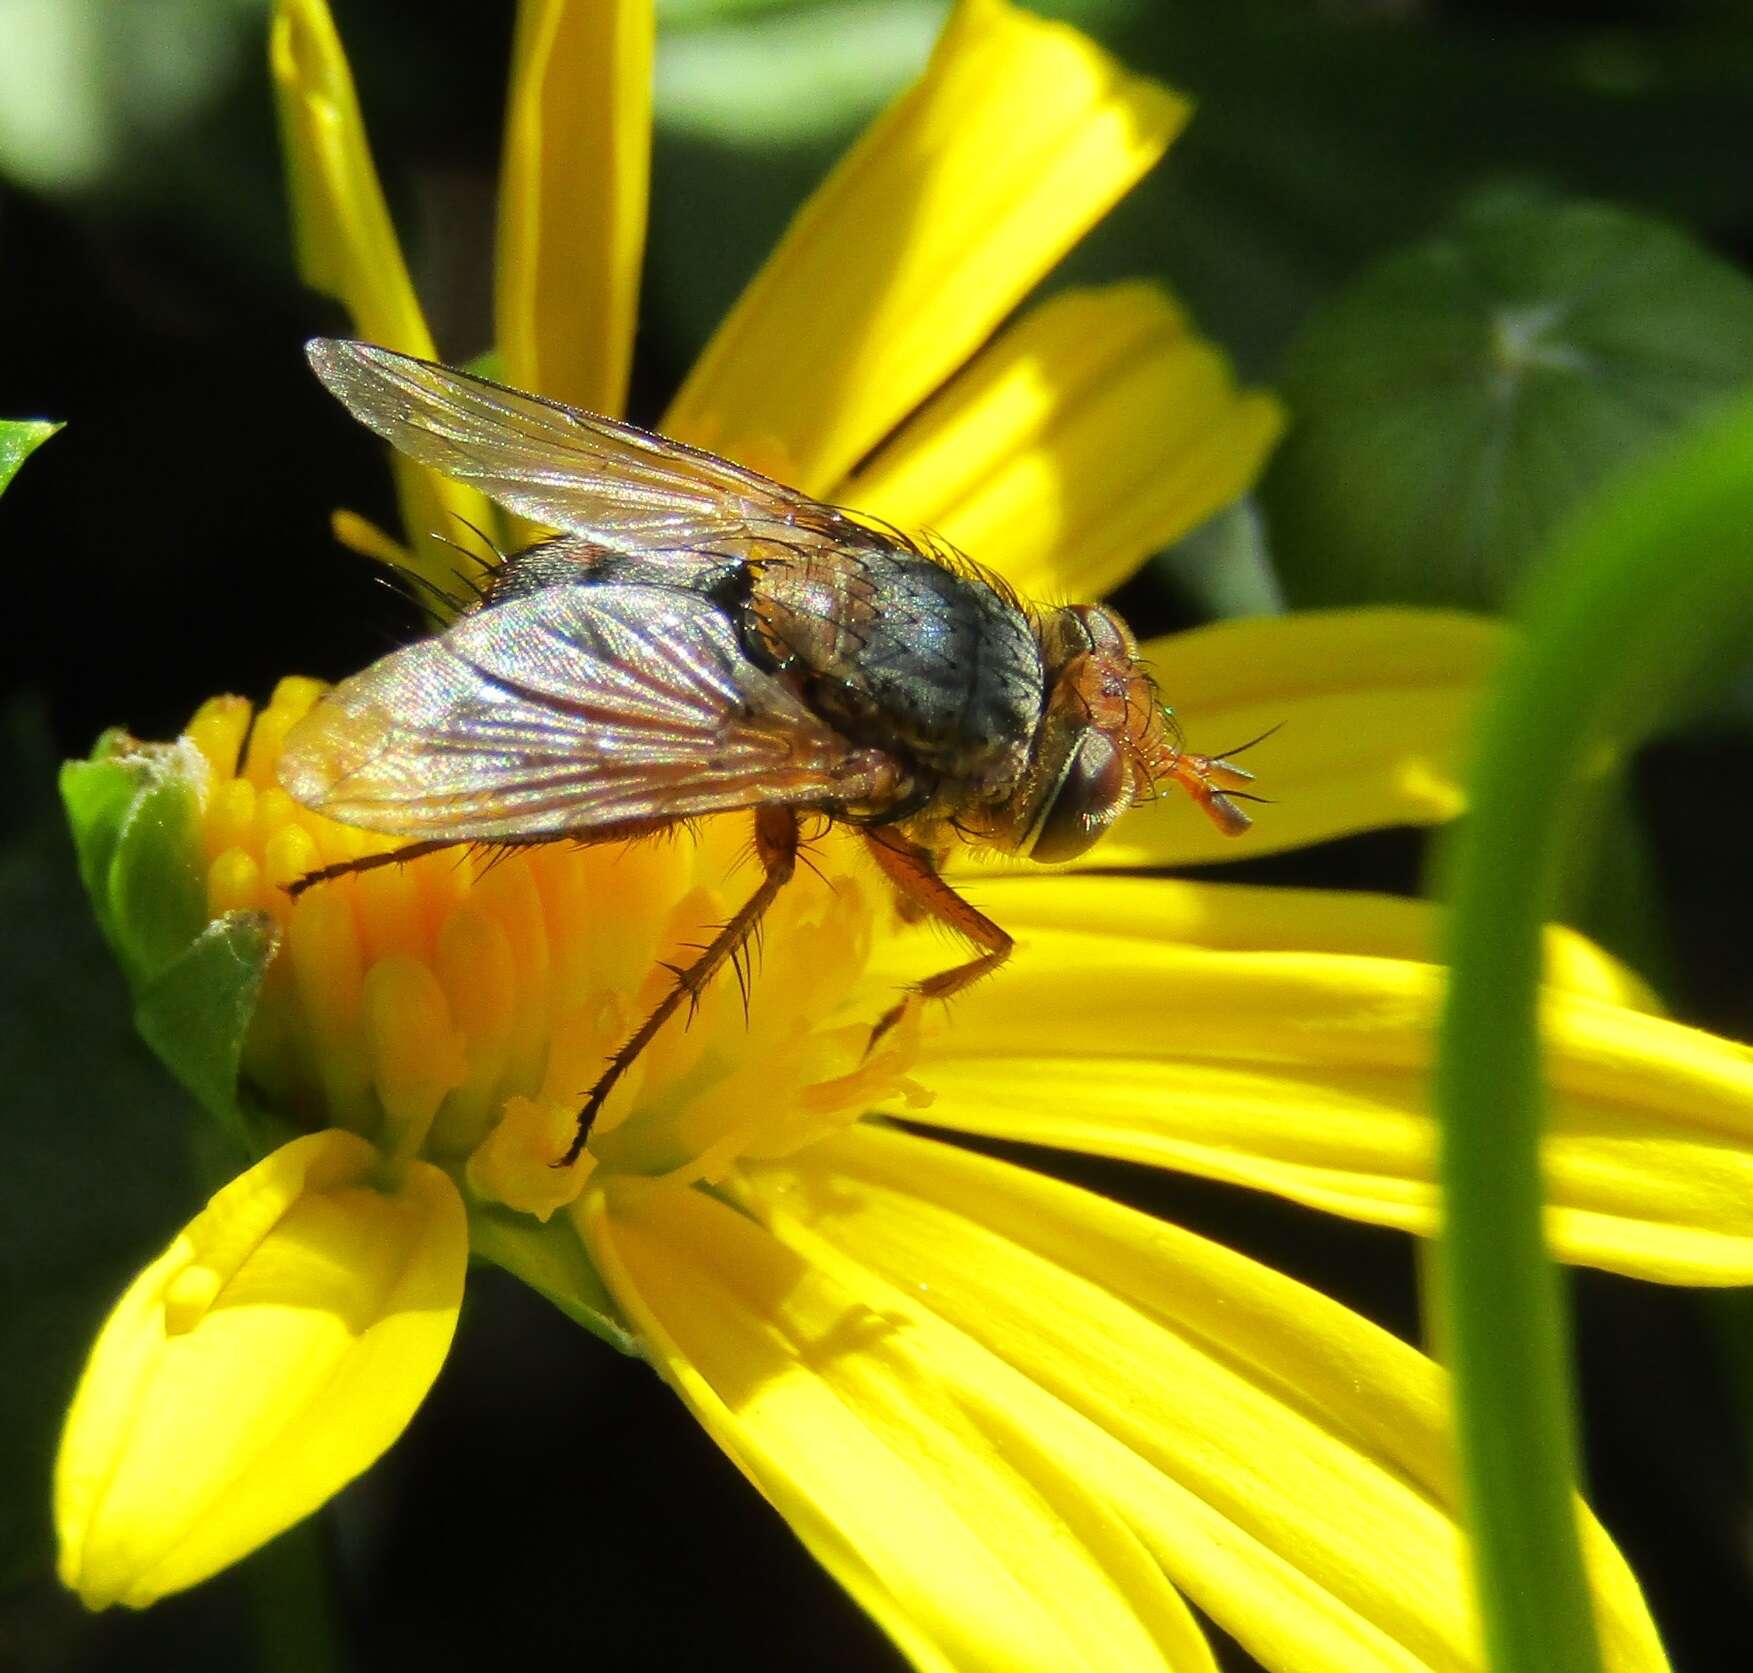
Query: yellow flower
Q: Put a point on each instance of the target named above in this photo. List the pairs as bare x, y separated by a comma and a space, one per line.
1019, 1423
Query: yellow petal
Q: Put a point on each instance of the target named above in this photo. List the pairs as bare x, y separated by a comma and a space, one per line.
1237, 917
347, 246
572, 198
1016, 140
1305, 1073
1284, 1460
971, 1537
276, 1348
1091, 434
1372, 709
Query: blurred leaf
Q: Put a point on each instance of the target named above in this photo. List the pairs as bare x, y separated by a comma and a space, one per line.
791, 74
1224, 565
19, 438
1454, 403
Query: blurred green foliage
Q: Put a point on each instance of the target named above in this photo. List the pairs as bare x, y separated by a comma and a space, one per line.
1455, 402
18, 440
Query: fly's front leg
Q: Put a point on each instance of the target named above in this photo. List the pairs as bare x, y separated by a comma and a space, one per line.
776, 848
629, 830
915, 877
368, 862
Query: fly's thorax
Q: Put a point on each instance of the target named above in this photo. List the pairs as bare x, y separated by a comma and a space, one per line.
902, 653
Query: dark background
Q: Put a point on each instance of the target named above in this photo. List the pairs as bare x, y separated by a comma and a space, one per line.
550, 1499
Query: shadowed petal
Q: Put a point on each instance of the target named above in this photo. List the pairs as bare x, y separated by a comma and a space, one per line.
1285, 1461
971, 1535
264, 1360
1092, 433
1019, 137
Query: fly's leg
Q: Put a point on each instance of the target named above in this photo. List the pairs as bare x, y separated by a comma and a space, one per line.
924, 893
776, 848
629, 830
367, 862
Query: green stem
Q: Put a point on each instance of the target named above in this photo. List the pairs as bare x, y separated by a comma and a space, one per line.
1638, 597
293, 1601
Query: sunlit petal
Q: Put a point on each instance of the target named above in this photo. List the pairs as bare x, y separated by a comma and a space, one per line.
1092, 433
347, 245
1305, 1073
1237, 917
1285, 1461
572, 198
1018, 137
1372, 709
910, 1464
264, 1360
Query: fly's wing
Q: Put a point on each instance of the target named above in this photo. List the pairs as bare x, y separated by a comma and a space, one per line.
623, 487
571, 710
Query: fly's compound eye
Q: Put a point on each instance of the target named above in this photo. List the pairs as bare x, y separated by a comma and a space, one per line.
1107, 634
1093, 793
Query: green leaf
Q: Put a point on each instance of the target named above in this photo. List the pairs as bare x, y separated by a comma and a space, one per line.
1223, 567
196, 1011
1452, 405
550, 1258
19, 438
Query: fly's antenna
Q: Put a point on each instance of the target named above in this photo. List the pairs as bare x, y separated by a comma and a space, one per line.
1242, 749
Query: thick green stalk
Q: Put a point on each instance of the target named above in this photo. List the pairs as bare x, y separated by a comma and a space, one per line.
1638, 599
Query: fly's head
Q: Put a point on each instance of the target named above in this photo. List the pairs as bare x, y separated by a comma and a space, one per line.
1107, 741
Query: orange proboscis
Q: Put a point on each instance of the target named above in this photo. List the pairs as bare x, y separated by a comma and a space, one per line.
1205, 779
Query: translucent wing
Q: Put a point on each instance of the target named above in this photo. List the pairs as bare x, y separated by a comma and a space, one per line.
570, 710
623, 487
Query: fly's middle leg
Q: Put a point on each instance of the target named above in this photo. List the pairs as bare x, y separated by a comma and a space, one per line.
911, 871
776, 839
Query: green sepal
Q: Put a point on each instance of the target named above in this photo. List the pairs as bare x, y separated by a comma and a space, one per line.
196, 1011
552, 1260
97, 795
1451, 406
135, 813
19, 439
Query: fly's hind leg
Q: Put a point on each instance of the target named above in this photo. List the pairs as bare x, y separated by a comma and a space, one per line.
924, 893
776, 842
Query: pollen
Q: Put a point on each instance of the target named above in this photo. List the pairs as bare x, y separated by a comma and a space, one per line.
459, 1006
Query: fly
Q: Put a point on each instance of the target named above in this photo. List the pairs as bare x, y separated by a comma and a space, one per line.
698, 639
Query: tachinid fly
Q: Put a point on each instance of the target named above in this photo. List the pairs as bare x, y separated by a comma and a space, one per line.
698, 639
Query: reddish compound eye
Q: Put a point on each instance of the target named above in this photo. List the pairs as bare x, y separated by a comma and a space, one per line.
1109, 636
1094, 792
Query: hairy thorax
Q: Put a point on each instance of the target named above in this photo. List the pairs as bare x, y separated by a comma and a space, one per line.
902, 653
